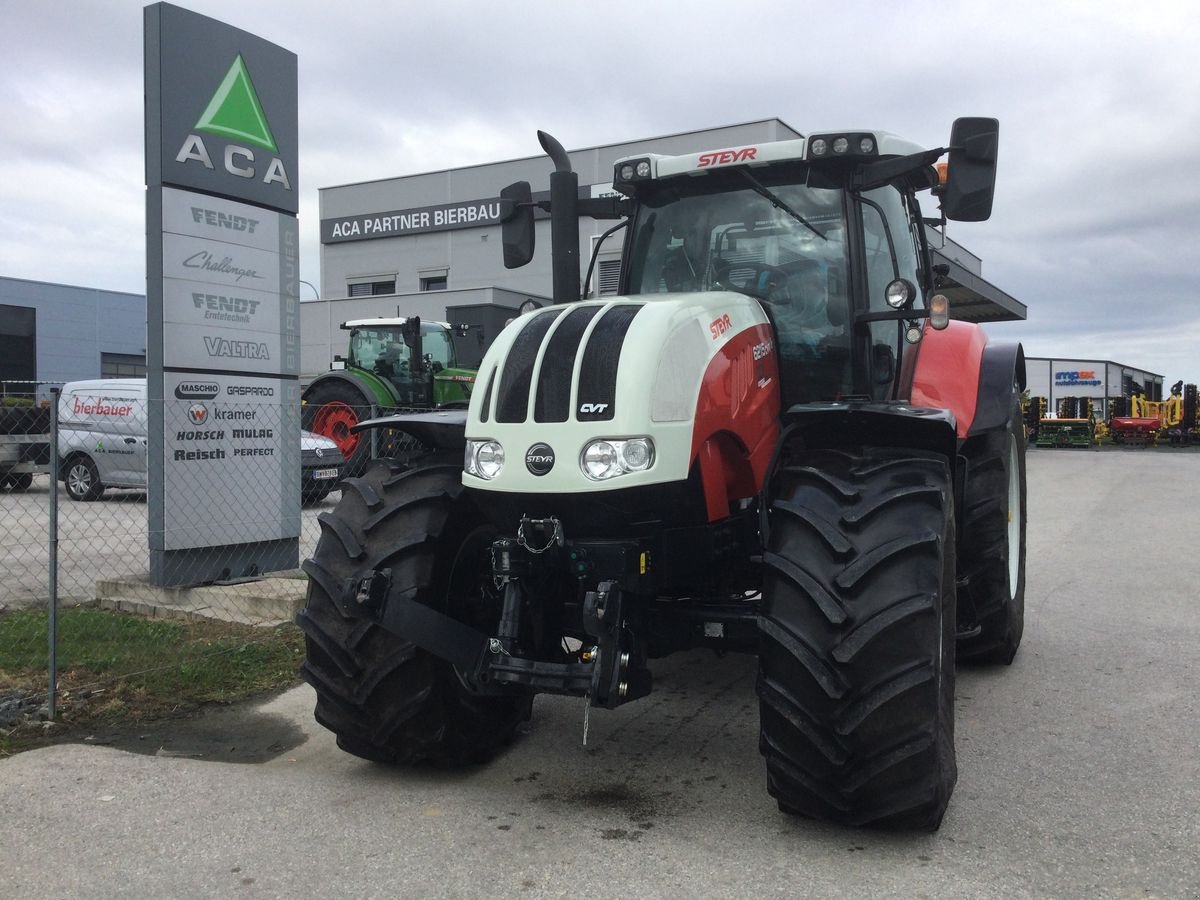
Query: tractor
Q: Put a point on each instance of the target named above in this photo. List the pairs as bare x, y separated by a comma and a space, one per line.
391, 363
774, 441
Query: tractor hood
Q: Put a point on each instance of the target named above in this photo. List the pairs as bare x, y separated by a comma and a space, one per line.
661, 371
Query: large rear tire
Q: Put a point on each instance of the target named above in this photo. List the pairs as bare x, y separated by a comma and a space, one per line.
992, 546
332, 408
386, 699
856, 648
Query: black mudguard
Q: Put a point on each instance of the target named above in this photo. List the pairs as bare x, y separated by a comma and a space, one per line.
1002, 366
444, 429
872, 424
809, 426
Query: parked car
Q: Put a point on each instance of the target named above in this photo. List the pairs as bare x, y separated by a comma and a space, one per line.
102, 442
321, 466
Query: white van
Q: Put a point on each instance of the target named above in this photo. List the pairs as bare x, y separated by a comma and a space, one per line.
102, 436
102, 442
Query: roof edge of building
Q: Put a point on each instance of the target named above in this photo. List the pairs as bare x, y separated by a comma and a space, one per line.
74, 287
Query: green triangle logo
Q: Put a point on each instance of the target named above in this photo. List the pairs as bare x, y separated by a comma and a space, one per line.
234, 110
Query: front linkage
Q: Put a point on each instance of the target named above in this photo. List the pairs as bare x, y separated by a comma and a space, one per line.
609, 665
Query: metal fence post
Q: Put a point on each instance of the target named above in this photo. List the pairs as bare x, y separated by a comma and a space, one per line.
53, 548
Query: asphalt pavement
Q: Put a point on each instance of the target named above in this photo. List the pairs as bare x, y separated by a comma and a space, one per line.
1079, 765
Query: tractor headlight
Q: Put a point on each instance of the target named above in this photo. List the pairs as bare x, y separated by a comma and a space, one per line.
631, 170
900, 293
484, 459
605, 459
853, 144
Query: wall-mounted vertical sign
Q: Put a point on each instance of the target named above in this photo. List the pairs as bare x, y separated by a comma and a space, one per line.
222, 292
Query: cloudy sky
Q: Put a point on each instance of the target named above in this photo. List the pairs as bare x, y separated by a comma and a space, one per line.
1096, 225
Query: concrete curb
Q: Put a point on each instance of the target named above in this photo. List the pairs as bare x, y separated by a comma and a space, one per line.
262, 602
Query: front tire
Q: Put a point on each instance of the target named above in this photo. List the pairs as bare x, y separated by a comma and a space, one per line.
856, 639
82, 479
386, 699
992, 548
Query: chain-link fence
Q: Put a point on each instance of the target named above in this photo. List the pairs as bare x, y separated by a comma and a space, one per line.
189, 588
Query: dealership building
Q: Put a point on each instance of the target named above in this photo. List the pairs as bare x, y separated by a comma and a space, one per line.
56, 332
430, 244
1099, 380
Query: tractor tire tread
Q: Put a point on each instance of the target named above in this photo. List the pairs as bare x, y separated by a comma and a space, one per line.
386, 699
860, 738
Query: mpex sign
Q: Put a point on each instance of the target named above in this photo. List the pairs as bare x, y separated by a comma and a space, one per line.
225, 103
1076, 378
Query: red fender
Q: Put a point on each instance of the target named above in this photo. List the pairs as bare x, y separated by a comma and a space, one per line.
737, 419
947, 371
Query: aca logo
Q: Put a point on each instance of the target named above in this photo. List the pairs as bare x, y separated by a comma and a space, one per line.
235, 112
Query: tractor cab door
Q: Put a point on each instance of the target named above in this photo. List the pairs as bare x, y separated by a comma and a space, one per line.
889, 250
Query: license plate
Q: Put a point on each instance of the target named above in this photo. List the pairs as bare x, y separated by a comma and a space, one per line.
322, 474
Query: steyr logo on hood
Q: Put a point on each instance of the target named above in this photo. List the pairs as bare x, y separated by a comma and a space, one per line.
539, 459
234, 112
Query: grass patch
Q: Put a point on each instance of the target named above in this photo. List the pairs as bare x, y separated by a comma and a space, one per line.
116, 668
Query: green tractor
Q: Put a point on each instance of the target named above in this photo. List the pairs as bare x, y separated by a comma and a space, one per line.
392, 363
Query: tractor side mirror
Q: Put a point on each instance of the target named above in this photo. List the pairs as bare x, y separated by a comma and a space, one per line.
516, 213
971, 173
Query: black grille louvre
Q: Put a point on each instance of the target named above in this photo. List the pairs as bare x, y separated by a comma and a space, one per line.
487, 397
513, 399
553, 400
598, 373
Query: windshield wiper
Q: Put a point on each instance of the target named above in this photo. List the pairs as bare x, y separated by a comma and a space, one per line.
775, 201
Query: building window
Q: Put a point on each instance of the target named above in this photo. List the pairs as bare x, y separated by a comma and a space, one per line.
433, 278
122, 365
18, 343
371, 288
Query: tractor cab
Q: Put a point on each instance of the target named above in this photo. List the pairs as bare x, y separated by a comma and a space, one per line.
826, 232
407, 353
723, 235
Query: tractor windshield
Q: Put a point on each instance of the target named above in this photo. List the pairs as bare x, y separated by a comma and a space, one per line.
780, 240
379, 347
